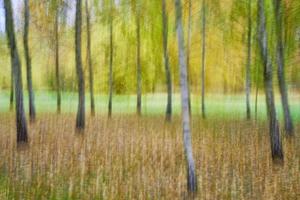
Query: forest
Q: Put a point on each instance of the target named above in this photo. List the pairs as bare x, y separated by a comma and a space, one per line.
159, 99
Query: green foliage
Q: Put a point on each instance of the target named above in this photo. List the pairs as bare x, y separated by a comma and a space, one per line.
226, 44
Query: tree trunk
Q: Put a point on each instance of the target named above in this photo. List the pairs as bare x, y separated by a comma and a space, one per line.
28, 61
248, 65
203, 59
21, 124
11, 98
289, 128
166, 59
188, 54
191, 171
111, 61
276, 146
138, 63
89, 58
80, 121
57, 73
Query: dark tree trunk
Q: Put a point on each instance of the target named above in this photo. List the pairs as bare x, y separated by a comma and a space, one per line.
11, 98
111, 60
191, 171
166, 59
289, 128
57, 73
188, 53
276, 146
28, 61
138, 63
256, 93
21, 124
89, 58
203, 59
248, 65
80, 121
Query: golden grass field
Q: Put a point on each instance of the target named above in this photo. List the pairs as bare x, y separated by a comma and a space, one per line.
142, 158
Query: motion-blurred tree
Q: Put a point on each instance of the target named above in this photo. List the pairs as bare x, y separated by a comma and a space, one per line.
276, 146
191, 171
22, 135
166, 59
89, 57
28, 61
80, 120
279, 11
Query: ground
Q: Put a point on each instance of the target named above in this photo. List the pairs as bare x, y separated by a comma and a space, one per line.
143, 158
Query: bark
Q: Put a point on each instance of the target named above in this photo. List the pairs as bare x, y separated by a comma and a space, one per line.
203, 59
166, 59
80, 121
22, 135
248, 65
111, 62
191, 171
289, 127
188, 53
276, 146
89, 58
11, 98
28, 61
57, 73
138, 63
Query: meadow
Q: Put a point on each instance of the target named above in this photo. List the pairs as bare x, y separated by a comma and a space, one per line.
218, 105
130, 157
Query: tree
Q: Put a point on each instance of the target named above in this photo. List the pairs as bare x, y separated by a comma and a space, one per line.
189, 30
22, 136
80, 121
203, 59
166, 60
191, 171
138, 61
111, 57
278, 11
28, 61
11, 98
57, 71
276, 146
89, 57
248, 64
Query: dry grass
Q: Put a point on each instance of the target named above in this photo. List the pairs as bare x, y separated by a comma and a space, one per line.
130, 158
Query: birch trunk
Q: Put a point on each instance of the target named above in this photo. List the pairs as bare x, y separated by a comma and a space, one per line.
191, 171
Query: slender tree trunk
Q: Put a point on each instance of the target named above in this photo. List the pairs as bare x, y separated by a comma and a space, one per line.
248, 65
203, 59
80, 121
57, 73
28, 61
166, 59
188, 53
191, 171
11, 99
276, 146
138, 63
22, 136
111, 61
256, 93
89, 58
289, 128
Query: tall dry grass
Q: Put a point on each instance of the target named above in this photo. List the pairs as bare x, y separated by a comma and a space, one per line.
131, 158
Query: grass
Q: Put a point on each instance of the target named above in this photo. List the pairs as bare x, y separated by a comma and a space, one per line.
217, 106
142, 158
